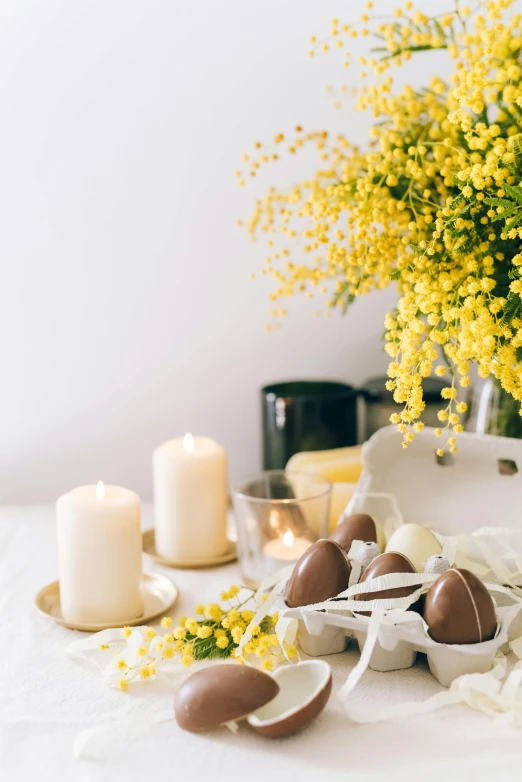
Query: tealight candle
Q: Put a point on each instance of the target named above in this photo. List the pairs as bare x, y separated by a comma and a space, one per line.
190, 499
280, 552
99, 551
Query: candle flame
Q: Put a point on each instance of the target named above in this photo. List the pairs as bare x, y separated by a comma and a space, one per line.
288, 539
100, 490
188, 442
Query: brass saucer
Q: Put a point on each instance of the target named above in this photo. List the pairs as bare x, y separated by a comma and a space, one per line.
149, 547
159, 595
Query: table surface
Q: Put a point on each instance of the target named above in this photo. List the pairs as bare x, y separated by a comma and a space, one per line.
47, 699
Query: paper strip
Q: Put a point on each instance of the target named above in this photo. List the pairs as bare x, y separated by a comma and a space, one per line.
286, 631
371, 638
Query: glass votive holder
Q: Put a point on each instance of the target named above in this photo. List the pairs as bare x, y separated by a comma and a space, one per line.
278, 516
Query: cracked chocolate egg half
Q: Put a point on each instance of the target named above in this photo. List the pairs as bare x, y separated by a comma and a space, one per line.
321, 572
304, 690
459, 609
220, 694
275, 706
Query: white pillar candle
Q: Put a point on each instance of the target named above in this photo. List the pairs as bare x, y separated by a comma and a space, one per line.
190, 499
99, 550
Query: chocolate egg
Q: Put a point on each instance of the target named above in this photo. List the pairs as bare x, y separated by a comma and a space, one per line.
220, 694
390, 562
459, 609
304, 692
415, 542
321, 572
360, 526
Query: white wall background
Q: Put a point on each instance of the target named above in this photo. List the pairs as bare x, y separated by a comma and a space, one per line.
126, 311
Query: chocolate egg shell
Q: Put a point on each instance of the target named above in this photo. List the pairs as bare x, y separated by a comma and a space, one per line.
459, 609
360, 526
390, 562
321, 572
304, 692
220, 694
416, 542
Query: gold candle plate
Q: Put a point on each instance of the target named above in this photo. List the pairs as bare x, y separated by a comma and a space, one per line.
149, 547
159, 595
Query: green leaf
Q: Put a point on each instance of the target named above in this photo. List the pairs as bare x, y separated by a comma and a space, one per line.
510, 167
207, 649
221, 653
395, 275
517, 150
202, 649
492, 201
514, 222
439, 29
512, 309
457, 202
340, 293
349, 300
506, 213
514, 192
465, 248
420, 48
458, 182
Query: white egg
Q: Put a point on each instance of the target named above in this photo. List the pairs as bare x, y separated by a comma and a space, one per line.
415, 542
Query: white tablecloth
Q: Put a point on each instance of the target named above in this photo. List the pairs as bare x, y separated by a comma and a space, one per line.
46, 699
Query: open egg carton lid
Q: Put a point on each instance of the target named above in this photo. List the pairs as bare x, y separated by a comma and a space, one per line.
479, 486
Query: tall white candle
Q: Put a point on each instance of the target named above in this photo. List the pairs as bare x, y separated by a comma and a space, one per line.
99, 550
190, 499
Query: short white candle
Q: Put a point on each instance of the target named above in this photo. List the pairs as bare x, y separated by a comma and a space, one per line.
99, 550
190, 499
280, 552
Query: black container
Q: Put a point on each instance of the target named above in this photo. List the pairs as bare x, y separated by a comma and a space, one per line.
306, 415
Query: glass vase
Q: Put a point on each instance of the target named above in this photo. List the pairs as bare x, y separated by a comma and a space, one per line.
494, 411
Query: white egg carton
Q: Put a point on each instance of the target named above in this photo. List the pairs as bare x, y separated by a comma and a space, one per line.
397, 645
454, 495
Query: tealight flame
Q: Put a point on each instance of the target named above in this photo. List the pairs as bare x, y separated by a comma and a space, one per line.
288, 539
188, 442
100, 490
